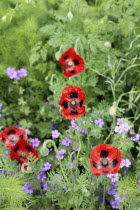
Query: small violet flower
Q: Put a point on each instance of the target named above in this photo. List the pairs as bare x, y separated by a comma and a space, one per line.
135, 137
73, 124
35, 142
54, 126
27, 131
66, 141
1, 106
42, 176
46, 167
114, 204
55, 134
28, 188
125, 162
99, 122
113, 177
122, 127
16, 74
61, 154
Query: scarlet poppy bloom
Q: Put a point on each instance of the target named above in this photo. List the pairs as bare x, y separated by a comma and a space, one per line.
105, 159
72, 63
21, 151
71, 101
11, 135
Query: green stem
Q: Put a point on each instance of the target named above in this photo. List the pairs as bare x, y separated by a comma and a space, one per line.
112, 129
56, 150
104, 193
79, 149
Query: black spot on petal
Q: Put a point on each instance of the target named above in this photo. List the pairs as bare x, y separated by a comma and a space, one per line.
73, 95
76, 62
21, 137
16, 148
3, 140
95, 165
29, 148
66, 56
11, 132
80, 103
74, 112
105, 172
114, 162
72, 71
104, 154
65, 104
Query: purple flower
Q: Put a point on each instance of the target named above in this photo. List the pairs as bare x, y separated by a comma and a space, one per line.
122, 128
27, 131
55, 134
114, 204
46, 167
135, 137
1, 106
100, 199
54, 126
99, 122
66, 141
11, 72
6, 153
28, 188
138, 182
73, 124
113, 177
119, 197
83, 131
42, 176
61, 154
35, 142
125, 162
119, 120
22, 72
44, 186
112, 189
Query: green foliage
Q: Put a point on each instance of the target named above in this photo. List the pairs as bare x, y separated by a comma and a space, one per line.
11, 193
129, 192
33, 35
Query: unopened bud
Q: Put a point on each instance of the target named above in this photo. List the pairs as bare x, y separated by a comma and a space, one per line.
112, 110
44, 151
3, 18
107, 44
70, 15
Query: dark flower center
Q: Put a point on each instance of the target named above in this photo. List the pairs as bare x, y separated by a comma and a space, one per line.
69, 64
104, 162
12, 139
73, 104
23, 154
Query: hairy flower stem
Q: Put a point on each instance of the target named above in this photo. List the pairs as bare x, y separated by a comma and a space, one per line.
104, 193
112, 129
56, 150
79, 149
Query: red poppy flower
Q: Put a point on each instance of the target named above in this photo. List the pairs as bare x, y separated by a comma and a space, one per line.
11, 135
105, 159
21, 151
72, 63
72, 102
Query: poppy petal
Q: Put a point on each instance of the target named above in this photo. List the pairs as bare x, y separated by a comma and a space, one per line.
105, 159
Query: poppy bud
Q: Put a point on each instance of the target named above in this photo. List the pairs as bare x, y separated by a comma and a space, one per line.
112, 110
